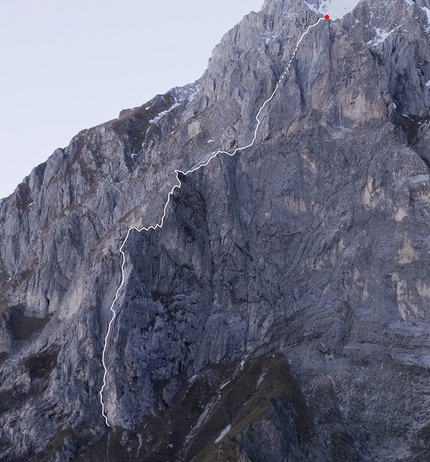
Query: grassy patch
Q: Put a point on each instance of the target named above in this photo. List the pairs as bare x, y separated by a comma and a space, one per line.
110, 448
55, 445
243, 403
263, 386
75, 437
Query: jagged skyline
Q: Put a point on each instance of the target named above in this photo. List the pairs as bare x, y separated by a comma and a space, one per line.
70, 67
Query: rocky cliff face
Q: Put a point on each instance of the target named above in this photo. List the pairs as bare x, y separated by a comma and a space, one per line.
281, 312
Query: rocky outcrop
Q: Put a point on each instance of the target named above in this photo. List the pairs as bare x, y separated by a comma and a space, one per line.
281, 312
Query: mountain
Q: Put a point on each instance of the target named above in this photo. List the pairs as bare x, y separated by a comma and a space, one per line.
238, 270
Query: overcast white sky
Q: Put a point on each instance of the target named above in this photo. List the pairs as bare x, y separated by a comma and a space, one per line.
72, 64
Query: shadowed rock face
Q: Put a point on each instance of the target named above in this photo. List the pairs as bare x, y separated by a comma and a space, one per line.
281, 313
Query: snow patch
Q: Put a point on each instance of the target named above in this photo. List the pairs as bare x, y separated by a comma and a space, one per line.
269, 36
186, 93
139, 437
335, 8
224, 385
223, 433
409, 2
381, 36
162, 114
193, 93
428, 84
427, 12
260, 380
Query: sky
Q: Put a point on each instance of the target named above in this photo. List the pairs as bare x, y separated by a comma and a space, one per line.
67, 65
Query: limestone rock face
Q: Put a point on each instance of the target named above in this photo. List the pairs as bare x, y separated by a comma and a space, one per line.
282, 310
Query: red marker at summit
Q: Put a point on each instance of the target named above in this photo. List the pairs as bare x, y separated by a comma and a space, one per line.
327, 17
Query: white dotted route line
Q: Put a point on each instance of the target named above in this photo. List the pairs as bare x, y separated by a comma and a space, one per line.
177, 186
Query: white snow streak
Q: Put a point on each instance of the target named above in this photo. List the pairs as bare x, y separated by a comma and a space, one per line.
139, 437
224, 385
381, 36
260, 380
223, 433
162, 114
169, 195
